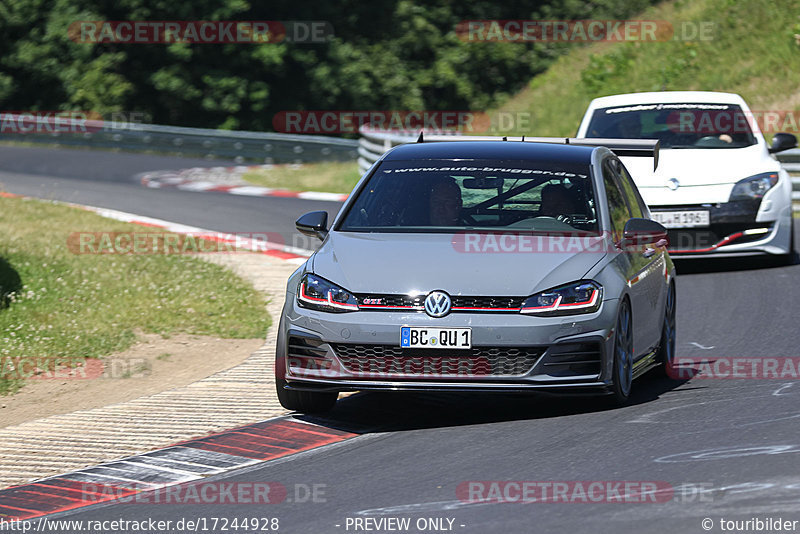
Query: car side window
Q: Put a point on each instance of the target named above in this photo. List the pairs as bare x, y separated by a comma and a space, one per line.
617, 206
635, 201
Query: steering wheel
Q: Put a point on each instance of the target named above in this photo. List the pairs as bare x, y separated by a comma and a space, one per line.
712, 141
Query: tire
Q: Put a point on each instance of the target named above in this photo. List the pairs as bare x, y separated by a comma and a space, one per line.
305, 401
622, 373
666, 347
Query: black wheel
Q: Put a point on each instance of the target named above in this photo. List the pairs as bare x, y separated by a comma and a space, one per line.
666, 348
622, 374
305, 401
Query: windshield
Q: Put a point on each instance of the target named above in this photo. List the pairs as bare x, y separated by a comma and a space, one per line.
676, 125
446, 195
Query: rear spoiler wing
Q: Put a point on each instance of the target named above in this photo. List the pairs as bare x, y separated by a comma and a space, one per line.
647, 148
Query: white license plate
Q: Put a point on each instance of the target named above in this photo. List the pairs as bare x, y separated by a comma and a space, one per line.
414, 337
682, 219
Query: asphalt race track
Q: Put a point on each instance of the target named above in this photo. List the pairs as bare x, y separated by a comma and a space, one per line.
728, 447
108, 179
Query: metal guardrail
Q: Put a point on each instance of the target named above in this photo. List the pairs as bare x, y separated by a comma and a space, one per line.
790, 160
241, 146
374, 143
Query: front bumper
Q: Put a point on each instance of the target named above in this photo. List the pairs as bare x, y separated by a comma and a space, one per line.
734, 229
510, 352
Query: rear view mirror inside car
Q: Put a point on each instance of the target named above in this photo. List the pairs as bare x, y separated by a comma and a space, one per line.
483, 183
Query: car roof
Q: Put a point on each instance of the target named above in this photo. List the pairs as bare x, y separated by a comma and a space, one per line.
500, 150
667, 97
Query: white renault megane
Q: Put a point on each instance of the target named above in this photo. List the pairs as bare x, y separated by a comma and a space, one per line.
717, 188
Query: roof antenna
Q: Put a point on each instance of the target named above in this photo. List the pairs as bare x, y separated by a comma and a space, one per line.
523, 138
505, 138
419, 139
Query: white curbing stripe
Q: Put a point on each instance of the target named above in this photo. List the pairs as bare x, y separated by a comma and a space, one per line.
254, 245
292, 255
175, 179
248, 190
197, 186
314, 195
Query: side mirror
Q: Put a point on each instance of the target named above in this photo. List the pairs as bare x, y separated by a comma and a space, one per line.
313, 224
782, 141
642, 231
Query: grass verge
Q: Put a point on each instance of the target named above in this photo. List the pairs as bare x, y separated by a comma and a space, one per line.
59, 306
330, 177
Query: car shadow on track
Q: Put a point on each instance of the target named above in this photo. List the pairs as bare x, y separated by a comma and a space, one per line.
725, 265
369, 412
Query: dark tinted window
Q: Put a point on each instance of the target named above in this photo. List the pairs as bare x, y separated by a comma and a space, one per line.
676, 125
635, 203
632, 198
445, 195
617, 207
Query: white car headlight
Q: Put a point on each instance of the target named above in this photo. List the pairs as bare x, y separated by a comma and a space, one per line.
754, 187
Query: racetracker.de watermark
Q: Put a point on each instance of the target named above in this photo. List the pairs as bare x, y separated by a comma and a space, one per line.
164, 242
735, 367
590, 30
69, 122
330, 122
60, 368
581, 491
200, 31
207, 493
547, 242
726, 121
522, 243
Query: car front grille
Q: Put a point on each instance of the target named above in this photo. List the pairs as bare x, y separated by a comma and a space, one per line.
490, 303
459, 303
476, 362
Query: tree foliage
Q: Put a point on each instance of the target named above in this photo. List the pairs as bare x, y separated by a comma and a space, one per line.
385, 55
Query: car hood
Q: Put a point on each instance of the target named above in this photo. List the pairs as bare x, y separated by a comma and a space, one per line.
698, 167
413, 262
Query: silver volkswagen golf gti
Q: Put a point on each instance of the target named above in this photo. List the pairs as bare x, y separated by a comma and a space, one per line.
489, 265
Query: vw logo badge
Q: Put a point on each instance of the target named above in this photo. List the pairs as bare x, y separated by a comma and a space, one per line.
673, 184
437, 304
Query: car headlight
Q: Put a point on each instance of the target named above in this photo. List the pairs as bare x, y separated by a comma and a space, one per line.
316, 293
570, 299
754, 187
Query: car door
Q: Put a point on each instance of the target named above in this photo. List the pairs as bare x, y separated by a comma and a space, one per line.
649, 265
628, 261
